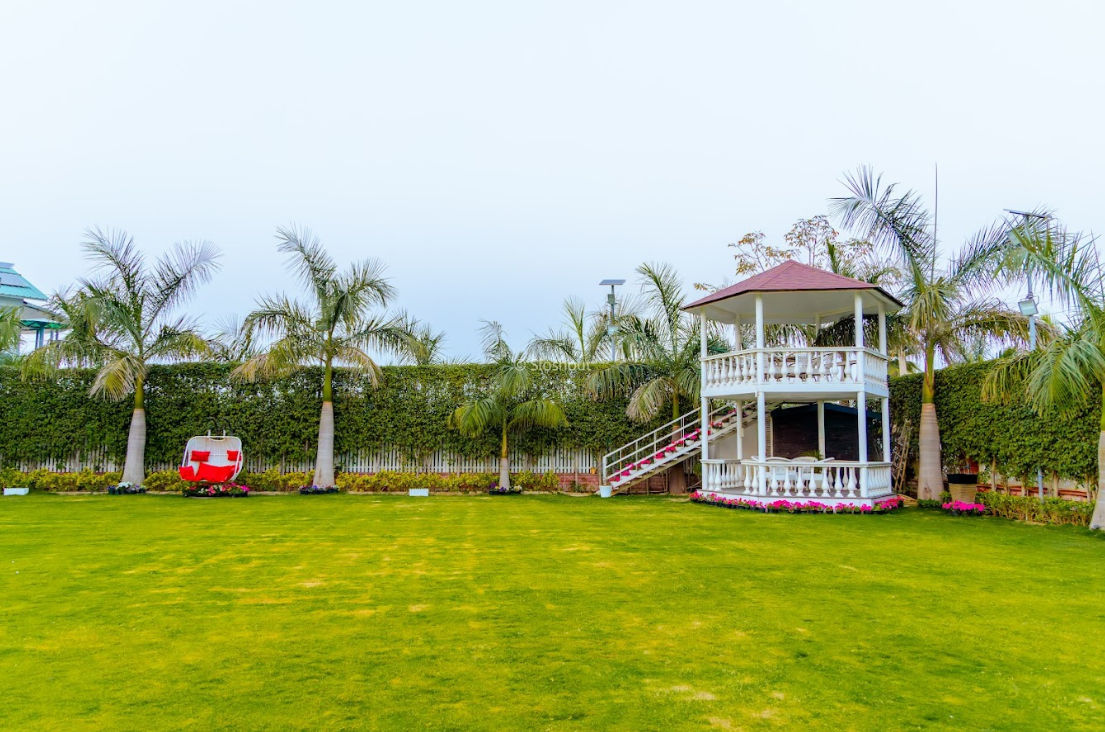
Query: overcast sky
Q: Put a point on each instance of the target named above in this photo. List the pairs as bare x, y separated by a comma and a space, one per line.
501, 156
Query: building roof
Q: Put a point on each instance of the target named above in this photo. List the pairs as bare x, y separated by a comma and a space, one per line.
794, 293
790, 276
15, 285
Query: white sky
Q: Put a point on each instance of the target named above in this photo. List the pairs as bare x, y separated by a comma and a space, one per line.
501, 156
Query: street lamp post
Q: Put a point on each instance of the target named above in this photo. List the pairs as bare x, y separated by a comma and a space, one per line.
611, 330
1028, 308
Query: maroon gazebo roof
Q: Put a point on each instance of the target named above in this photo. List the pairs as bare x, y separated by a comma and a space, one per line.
790, 276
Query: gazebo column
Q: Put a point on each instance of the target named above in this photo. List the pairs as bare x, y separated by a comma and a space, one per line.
821, 429
861, 417
759, 339
859, 320
740, 430
886, 429
737, 338
884, 349
761, 441
703, 402
882, 331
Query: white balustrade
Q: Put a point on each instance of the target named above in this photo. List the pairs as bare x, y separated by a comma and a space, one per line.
791, 366
786, 479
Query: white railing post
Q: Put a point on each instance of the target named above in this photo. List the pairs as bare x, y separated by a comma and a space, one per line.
861, 418
886, 429
703, 405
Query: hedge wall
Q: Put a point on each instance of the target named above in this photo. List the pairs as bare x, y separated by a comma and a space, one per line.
1013, 435
278, 420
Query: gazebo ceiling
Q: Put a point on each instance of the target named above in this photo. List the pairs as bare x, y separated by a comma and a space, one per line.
793, 293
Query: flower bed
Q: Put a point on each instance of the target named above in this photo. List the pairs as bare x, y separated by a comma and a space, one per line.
784, 506
498, 490
959, 508
215, 490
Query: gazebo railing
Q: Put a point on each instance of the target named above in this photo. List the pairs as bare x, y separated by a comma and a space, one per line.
782, 478
755, 367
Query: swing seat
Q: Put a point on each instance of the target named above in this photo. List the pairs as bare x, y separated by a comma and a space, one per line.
210, 459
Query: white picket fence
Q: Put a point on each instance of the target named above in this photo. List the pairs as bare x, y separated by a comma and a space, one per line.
558, 461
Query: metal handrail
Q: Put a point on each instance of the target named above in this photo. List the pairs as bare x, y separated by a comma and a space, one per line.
647, 445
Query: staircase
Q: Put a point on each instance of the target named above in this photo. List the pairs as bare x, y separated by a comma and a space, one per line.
665, 446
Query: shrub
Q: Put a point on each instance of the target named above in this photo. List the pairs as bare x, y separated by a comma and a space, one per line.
164, 480
273, 481
1030, 508
50, 482
389, 481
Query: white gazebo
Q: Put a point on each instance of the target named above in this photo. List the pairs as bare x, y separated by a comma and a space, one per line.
800, 295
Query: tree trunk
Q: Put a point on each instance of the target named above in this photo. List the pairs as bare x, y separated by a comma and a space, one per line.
504, 463
134, 469
930, 474
903, 365
1098, 520
324, 458
930, 482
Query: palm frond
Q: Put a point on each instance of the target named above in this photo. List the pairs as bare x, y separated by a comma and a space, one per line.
512, 381
116, 378
282, 357
178, 341
359, 360
178, 273
662, 291
616, 379
384, 333
310, 262
113, 252
984, 256
11, 329
990, 319
278, 315
422, 345
649, 398
537, 413
893, 222
493, 340
472, 418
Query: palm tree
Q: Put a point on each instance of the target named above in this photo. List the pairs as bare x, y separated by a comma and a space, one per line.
511, 405
11, 331
663, 351
1069, 370
426, 346
233, 341
337, 328
123, 321
585, 337
942, 314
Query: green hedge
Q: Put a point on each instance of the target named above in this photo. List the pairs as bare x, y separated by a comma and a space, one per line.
278, 420
1013, 435
275, 481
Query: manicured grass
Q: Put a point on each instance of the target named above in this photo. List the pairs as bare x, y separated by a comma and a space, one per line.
150, 612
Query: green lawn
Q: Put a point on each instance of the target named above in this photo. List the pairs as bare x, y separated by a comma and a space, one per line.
350, 612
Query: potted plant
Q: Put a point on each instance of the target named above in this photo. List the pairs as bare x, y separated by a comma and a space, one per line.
963, 481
